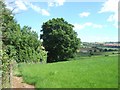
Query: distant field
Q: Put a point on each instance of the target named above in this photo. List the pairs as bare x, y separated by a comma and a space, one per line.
80, 54
94, 72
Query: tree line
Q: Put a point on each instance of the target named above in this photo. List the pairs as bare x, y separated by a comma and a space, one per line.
23, 44
20, 44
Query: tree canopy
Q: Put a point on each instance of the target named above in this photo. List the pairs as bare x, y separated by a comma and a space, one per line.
59, 39
19, 43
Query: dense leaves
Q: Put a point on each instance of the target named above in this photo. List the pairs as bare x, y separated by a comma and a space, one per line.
20, 44
59, 39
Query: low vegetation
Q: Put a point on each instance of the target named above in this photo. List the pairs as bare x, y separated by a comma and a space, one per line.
94, 72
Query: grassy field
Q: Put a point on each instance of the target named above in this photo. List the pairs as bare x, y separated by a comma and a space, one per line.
80, 54
93, 72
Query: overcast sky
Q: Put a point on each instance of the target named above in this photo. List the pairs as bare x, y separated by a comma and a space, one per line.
94, 20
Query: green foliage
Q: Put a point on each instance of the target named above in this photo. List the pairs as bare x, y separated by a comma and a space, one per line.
17, 44
6, 52
29, 47
59, 39
94, 72
20, 44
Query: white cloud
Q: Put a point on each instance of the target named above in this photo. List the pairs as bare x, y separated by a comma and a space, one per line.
50, 4
97, 26
20, 4
56, 3
39, 10
84, 14
88, 24
59, 2
16, 5
24, 5
45, 12
35, 8
78, 27
111, 6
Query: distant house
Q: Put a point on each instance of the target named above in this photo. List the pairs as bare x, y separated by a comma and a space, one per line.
86, 50
113, 45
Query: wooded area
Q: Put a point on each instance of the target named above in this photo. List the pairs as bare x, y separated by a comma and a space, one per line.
22, 44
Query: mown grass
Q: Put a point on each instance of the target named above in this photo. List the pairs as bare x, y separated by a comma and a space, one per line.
94, 72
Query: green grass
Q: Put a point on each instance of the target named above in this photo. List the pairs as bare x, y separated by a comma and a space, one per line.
16, 71
94, 72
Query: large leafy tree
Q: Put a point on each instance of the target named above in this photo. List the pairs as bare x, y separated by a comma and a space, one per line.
59, 39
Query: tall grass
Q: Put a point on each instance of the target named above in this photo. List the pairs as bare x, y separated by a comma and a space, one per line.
94, 72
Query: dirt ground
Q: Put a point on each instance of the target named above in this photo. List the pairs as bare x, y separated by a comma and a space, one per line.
18, 83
